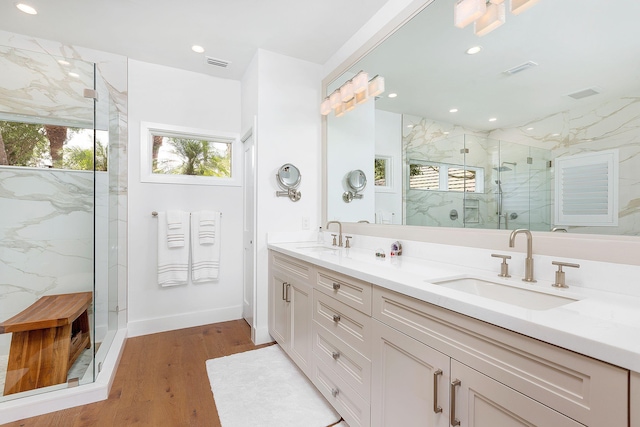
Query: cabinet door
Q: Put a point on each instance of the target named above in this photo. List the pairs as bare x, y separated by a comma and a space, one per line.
278, 308
480, 401
300, 308
409, 381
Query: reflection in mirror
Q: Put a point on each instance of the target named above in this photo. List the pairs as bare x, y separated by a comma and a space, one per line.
356, 182
289, 178
482, 136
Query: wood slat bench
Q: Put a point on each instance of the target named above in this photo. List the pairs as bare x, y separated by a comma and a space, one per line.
48, 336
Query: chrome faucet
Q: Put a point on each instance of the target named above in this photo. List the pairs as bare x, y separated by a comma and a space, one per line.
339, 231
528, 263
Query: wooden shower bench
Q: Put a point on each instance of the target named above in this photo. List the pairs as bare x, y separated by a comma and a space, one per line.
48, 336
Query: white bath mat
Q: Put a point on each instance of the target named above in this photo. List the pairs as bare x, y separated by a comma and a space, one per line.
264, 388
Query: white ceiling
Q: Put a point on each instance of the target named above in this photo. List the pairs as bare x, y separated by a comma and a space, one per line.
163, 31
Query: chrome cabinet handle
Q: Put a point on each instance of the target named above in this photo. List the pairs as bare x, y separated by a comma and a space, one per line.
334, 392
288, 299
335, 355
336, 318
336, 286
436, 408
284, 290
452, 398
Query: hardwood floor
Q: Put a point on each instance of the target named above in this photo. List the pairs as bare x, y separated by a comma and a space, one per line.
161, 381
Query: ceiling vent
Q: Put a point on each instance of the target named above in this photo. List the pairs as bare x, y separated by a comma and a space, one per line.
584, 93
520, 68
216, 62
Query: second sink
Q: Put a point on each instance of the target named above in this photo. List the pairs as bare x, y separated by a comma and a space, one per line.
525, 298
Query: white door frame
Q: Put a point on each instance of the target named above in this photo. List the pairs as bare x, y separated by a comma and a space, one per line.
249, 311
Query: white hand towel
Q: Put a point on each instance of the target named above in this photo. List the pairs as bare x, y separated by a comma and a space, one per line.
173, 252
174, 220
205, 251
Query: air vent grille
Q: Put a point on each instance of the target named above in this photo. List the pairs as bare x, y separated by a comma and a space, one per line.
584, 93
216, 62
520, 68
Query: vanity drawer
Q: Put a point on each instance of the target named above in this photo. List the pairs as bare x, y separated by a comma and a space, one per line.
587, 390
353, 367
351, 326
353, 292
291, 266
349, 404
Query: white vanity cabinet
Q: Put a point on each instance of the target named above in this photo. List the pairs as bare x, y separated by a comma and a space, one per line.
290, 304
342, 344
495, 376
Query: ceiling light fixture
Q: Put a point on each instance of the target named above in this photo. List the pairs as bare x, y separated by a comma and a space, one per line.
453, 110
353, 92
392, 95
473, 50
197, 49
486, 14
26, 9
493, 119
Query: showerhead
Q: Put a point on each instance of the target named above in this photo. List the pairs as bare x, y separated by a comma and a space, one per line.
502, 169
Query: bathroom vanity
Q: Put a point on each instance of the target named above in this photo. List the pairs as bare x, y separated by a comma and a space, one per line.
386, 346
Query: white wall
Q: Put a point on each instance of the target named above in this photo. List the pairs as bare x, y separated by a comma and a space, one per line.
388, 137
288, 131
166, 95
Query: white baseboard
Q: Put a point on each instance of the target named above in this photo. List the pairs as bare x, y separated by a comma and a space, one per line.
181, 321
261, 336
38, 404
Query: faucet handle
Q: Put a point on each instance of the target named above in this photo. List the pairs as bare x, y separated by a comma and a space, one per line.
334, 240
504, 267
347, 244
560, 282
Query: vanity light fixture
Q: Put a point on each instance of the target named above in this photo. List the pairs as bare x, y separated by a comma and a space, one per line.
486, 14
355, 91
519, 6
29, 10
467, 11
492, 19
197, 49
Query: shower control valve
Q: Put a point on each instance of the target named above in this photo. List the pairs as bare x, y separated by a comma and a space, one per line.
504, 267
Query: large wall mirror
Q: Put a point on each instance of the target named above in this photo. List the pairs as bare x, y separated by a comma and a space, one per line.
540, 129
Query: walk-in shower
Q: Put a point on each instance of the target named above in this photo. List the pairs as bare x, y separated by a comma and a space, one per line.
58, 230
503, 217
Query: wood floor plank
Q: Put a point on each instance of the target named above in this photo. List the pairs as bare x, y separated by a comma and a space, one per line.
161, 381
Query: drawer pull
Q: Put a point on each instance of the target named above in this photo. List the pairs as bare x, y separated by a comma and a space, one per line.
284, 290
334, 392
336, 286
452, 398
336, 318
436, 408
335, 355
288, 299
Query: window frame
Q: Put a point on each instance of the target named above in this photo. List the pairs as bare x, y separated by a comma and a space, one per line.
443, 174
148, 129
388, 172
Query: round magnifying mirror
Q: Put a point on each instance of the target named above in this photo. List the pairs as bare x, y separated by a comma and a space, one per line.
357, 180
288, 176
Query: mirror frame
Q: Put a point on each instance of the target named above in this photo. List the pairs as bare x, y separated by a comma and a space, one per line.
281, 182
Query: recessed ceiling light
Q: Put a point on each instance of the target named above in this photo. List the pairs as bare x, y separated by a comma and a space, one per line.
529, 128
63, 62
76, 75
555, 134
393, 95
493, 119
26, 9
473, 50
446, 133
453, 110
197, 49
409, 126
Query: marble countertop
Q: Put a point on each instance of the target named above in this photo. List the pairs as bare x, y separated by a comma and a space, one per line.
602, 325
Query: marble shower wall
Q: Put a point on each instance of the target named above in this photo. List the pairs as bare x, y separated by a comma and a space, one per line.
41, 92
524, 188
599, 125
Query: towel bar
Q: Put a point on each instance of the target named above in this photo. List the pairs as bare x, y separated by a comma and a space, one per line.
155, 214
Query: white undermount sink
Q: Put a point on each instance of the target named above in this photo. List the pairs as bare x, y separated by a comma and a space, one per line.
525, 298
317, 248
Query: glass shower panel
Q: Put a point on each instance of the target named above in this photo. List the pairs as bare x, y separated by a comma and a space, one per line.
540, 193
47, 246
434, 186
480, 195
